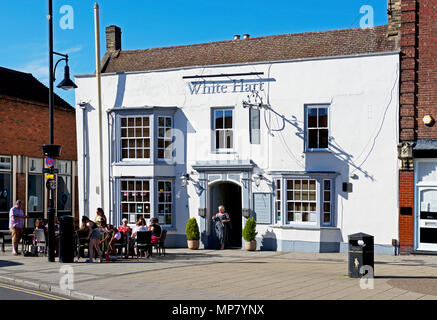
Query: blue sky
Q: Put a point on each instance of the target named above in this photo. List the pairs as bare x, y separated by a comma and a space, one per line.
149, 23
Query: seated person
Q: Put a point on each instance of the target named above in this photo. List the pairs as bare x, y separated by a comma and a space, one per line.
156, 234
39, 224
124, 227
156, 230
140, 226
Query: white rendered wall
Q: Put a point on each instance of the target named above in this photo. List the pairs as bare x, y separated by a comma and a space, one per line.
363, 97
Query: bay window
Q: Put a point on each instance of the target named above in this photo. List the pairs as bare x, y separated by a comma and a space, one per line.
135, 137
306, 199
135, 199
165, 137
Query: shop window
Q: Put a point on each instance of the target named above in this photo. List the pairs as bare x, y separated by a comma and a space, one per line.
135, 137
5, 184
64, 187
35, 186
135, 199
165, 204
317, 129
223, 129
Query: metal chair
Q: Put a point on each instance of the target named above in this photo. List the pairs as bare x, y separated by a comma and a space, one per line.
160, 246
143, 241
39, 240
82, 243
123, 243
26, 239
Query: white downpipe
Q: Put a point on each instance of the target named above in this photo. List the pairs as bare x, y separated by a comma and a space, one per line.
99, 99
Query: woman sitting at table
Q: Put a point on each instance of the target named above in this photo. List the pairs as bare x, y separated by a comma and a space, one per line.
124, 227
156, 230
140, 226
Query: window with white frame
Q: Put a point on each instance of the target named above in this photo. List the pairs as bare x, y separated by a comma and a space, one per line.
223, 128
135, 137
301, 200
165, 204
135, 199
306, 200
278, 199
5, 183
327, 207
317, 127
164, 148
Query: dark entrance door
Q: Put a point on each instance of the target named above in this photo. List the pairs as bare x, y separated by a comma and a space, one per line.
229, 195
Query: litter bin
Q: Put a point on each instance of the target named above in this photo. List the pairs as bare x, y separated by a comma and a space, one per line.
66, 239
360, 253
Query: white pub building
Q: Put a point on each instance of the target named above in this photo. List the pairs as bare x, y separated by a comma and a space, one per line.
299, 131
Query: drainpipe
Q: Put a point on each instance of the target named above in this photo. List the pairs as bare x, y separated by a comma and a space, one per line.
84, 158
99, 98
111, 212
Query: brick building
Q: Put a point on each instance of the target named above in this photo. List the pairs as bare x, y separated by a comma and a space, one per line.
24, 129
414, 22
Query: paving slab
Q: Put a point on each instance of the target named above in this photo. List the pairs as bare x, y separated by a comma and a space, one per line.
231, 274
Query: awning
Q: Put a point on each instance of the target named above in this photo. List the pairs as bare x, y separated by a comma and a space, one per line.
425, 149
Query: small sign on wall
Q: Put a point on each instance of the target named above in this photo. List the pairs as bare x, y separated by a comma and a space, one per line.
262, 207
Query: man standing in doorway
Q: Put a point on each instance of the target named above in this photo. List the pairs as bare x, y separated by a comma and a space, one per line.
16, 225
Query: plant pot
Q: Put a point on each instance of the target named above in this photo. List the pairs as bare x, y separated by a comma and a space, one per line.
250, 245
193, 244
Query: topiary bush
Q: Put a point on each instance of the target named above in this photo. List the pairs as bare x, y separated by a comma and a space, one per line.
192, 229
249, 233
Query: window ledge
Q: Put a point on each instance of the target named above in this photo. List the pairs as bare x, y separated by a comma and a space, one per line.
318, 151
302, 227
223, 152
132, 163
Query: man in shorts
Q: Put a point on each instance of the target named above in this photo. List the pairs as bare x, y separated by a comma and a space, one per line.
16, 225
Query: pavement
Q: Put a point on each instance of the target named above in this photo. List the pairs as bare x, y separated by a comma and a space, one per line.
185, 274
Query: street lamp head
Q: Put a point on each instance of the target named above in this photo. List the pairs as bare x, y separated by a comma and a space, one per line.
67, 83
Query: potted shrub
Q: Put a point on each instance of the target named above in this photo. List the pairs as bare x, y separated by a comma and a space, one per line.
193, 234
249, 234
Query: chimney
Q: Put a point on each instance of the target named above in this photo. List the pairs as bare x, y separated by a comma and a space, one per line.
246, 36
394, 18
113, 38
236, 36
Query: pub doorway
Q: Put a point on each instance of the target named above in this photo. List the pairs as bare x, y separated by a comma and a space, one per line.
227, 194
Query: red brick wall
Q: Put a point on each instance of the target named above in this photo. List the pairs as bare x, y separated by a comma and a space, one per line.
427, 67
406, 222
418, 94
408, 86
24, 128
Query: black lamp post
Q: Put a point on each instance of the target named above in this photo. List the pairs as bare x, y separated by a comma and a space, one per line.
51, 150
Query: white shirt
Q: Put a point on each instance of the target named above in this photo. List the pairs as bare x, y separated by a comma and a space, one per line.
140, 228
